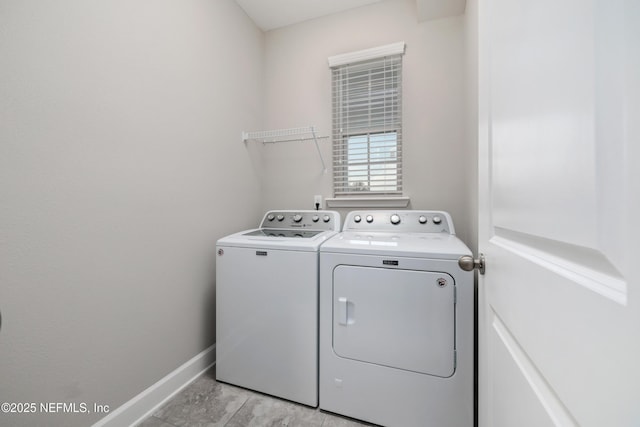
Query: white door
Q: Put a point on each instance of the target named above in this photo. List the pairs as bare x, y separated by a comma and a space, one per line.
559, 140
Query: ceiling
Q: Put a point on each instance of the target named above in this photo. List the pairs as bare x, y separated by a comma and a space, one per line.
272, 14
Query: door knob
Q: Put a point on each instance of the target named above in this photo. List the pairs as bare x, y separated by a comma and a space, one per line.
467, 263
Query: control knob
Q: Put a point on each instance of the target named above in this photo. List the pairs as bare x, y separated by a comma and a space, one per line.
271, 217
297, 218
357, 218
326, 218
395, 219
437, 220
422, 219
315, 218
369, 219
280, 217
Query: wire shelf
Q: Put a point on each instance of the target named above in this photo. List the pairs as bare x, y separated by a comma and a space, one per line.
307, 133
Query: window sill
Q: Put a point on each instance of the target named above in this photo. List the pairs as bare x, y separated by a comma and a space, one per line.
368, 202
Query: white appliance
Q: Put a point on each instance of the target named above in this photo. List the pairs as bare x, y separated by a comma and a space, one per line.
396, 321
267, 304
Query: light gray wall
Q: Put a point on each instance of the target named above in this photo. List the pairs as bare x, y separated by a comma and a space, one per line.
437, 150
471, 128
120, 165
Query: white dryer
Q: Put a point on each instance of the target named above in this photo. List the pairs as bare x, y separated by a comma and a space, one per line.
267, 304
397, 321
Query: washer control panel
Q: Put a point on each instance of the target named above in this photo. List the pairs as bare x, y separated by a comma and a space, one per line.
406, 221
309, 219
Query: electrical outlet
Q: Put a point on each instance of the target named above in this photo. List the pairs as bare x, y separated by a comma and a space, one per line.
317, 202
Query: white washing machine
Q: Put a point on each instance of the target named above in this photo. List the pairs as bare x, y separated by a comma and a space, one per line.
267, 304
396, 321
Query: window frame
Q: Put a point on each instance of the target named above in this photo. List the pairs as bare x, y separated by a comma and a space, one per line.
366, 112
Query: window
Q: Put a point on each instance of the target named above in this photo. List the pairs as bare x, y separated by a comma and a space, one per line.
367, 126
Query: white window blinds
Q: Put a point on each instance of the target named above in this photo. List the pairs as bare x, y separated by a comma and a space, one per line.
367, 127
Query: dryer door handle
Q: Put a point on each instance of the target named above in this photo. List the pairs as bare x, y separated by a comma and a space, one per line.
346, 311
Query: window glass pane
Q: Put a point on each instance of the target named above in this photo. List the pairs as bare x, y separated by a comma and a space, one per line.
357, 149
372, 162
383, 146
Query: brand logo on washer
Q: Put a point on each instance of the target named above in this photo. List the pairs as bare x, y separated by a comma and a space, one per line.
442, 282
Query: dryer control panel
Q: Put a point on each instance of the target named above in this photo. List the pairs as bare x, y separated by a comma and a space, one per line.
406, 221
307, 219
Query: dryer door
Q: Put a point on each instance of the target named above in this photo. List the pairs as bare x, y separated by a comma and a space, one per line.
402, 319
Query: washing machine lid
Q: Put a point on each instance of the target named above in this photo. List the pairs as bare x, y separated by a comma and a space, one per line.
288, 230
417, 245
294, 240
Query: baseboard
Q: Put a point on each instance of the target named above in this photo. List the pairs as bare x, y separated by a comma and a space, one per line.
145, 403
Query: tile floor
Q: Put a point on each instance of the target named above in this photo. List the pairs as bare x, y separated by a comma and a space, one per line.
206, 402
